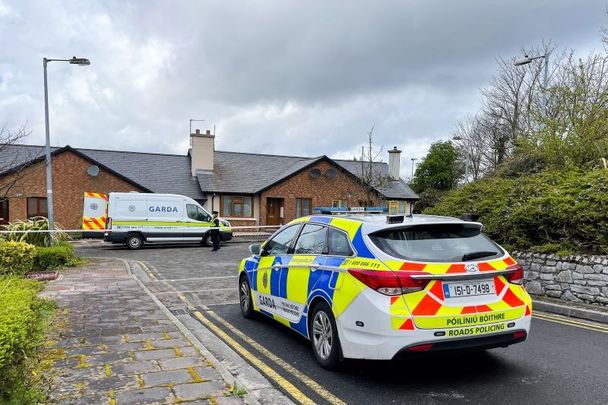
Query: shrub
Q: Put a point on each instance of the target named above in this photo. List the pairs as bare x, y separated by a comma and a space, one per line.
565, 209
16, 257
50, 257
23, 318
25, 231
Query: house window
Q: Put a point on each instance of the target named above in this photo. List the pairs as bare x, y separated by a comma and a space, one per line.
237, 206
303, 207
3, 212
37, 207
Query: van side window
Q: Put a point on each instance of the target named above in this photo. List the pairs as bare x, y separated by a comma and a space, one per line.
195, 213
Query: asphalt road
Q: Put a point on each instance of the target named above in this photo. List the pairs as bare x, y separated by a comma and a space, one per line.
560, 363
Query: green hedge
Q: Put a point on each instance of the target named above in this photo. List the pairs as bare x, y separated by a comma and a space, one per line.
50, 257
559, 212
16, 258
23, 319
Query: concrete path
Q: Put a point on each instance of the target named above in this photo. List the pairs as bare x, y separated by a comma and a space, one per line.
119, 347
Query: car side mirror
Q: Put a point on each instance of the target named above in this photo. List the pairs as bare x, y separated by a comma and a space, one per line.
255, 249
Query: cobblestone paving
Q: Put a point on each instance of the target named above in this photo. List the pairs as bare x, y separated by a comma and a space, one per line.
201, 275
119, 348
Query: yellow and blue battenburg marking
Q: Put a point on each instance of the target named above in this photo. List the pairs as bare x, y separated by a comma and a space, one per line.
297, 285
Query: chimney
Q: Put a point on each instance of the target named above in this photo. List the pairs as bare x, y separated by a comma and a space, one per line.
201, 151
394, 163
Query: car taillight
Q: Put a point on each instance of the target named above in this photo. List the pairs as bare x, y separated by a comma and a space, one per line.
517, 276
520, 334
108, 223
389, 282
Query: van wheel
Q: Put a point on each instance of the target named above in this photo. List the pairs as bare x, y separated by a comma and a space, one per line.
324, 337
207, 242
134, 241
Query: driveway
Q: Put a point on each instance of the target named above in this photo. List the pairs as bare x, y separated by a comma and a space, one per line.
563, 360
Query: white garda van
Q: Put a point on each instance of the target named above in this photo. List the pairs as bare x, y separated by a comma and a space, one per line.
138, 218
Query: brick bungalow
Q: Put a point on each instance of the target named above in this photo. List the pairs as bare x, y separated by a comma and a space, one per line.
246, 188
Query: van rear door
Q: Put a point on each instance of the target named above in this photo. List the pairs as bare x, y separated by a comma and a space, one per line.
94, 212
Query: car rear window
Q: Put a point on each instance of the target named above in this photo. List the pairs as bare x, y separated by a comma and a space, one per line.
437, 243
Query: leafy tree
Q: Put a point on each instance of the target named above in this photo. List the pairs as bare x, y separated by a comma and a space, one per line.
441, 169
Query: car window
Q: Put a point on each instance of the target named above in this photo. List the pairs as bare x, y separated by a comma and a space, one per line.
338, 243
280, 243
437, 243
312, 240
196, 213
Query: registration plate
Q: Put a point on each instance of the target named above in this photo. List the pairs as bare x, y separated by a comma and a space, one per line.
469, 288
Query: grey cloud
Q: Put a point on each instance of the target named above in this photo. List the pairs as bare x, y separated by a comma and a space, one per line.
274, 76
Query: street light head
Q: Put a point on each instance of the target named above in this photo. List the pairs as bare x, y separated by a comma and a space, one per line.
79, 61
523, 61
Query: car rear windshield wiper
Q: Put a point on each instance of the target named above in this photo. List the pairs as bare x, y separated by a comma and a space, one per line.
477, 255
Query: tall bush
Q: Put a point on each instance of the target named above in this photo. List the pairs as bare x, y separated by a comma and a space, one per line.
50, 257
27, 231
16, 258
23, 318
565, 210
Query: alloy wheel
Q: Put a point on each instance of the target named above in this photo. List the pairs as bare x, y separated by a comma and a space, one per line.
322, 335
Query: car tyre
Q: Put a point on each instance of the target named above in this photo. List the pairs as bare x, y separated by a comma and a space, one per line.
245, 299
324, 337
134, 241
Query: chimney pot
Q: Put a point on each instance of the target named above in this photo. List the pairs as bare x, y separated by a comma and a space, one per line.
208, 132
197, 131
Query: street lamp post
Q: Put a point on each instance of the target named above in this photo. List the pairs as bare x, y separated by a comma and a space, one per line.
47, 147
467, 158
527, 59
413, 162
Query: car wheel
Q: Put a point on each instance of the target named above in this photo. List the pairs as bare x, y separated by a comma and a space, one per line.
245, 300
207, 242
324, 337
134, 241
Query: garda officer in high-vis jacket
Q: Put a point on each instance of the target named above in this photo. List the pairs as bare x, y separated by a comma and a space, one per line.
215, 233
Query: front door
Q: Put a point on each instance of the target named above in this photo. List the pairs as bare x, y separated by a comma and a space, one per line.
274, 207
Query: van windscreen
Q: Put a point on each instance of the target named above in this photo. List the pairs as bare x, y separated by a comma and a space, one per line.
437, 243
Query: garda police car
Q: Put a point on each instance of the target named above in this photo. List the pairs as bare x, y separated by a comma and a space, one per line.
373, 286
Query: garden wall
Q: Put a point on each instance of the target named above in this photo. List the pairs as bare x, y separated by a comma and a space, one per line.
571, 278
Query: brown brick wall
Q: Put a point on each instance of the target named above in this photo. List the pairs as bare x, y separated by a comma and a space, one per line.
322, 191
70, 181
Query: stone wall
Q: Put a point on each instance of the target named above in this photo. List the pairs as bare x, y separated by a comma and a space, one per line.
570, 278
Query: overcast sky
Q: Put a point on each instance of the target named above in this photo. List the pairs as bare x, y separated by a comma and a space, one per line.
274, 76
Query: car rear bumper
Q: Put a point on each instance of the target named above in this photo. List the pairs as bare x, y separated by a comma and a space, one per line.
376, 340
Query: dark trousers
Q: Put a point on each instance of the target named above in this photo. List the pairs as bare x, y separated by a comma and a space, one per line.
215, 238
